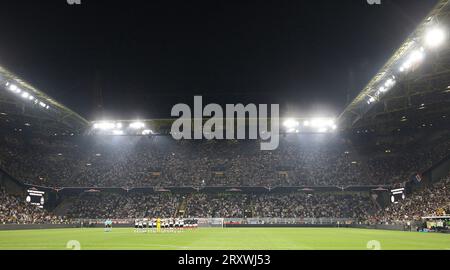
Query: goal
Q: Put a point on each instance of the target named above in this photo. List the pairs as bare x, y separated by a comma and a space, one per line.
210, 222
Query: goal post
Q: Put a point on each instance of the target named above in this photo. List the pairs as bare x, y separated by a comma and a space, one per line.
210, 222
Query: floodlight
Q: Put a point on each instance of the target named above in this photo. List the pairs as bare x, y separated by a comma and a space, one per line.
317, 122
147, 132
14, 88
435, 37
290, 123
137, 125
104, 125
25, 95
416, 56
389, 83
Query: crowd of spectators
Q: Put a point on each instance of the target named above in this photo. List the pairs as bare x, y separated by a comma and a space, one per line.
308, 160
14, 209
434, 200
293, 205
228, 205
300, 160
430, 201
118, 206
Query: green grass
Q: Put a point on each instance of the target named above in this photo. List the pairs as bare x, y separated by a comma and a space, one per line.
228, 239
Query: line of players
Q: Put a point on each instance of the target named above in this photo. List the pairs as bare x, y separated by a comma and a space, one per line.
164, 224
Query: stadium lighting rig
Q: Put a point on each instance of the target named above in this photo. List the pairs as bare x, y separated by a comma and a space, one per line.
121, 128
291, 125
25, 95
313, 125
434, 37
137, 125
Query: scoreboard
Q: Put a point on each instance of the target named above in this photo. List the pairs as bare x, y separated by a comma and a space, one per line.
35, 197
397, 195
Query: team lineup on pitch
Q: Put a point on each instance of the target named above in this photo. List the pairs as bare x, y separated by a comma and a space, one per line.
223, 239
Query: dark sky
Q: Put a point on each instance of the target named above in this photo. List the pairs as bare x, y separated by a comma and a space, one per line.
146, 56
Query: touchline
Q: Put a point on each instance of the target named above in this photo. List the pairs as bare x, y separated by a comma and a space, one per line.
234, 121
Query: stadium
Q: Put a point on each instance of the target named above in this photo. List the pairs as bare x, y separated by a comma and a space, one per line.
375, 176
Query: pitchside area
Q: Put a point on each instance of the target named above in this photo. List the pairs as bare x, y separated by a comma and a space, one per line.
227, 239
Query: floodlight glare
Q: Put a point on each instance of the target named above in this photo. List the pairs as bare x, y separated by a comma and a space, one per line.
389, 83
318, 122
25, 95
323, 125
435, 37
104, 125
417, 56
137, 125
14, 88
118, 132
147, 132
290, 124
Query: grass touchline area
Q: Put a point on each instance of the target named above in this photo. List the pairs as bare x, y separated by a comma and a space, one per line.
226, 239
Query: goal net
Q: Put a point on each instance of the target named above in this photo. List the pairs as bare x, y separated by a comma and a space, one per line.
210, 222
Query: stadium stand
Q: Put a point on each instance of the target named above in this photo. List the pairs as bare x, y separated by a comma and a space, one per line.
395, 129
161, 161
14, 209
431, 201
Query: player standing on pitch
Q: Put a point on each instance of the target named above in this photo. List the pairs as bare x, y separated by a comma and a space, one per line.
108, 225
136, 225
158, 225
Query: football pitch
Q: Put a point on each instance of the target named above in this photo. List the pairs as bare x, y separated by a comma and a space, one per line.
223, 239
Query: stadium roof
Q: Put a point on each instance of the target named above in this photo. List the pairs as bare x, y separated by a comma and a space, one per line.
19, 100
413, 84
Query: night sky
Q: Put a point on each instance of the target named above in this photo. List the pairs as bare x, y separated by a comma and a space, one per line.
146, 56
